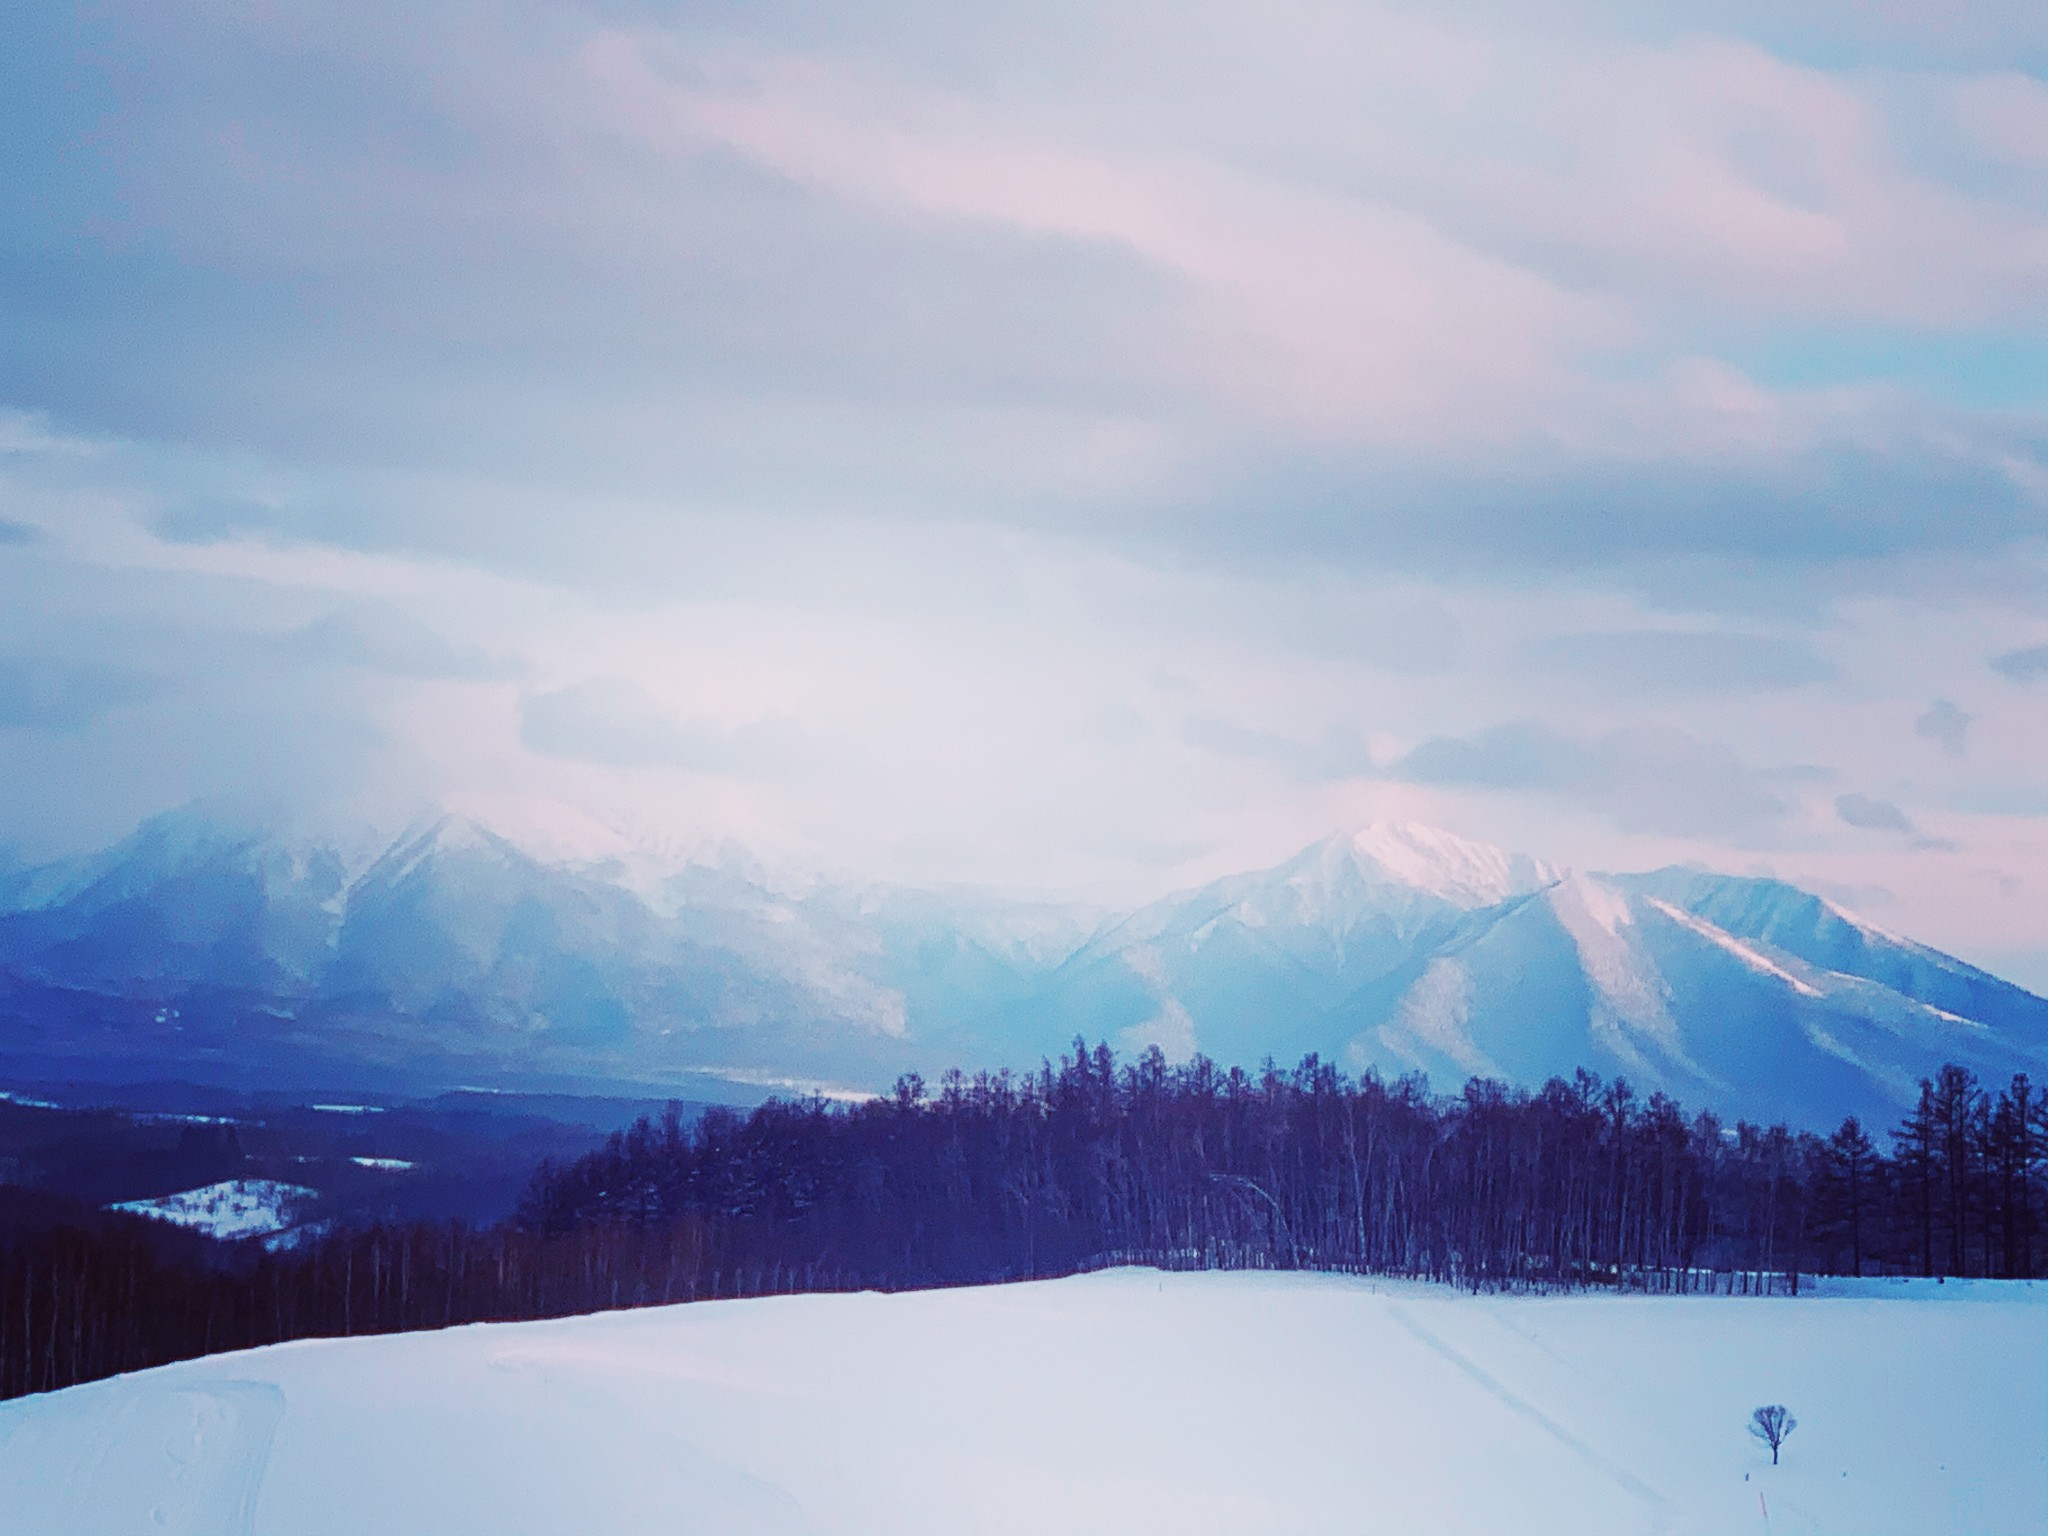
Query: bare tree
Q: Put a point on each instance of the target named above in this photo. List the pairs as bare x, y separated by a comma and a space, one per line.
1771, 1425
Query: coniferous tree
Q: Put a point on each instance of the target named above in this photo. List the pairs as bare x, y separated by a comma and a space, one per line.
2013, 1155
1916, 1138
1956, 1136
1847, 1165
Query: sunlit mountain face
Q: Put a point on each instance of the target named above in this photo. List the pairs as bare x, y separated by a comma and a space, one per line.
454, 954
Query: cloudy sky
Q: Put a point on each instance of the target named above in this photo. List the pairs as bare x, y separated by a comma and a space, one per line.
1080, 447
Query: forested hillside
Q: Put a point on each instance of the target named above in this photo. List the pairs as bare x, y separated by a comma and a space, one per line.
1579, 1183
1088, 1163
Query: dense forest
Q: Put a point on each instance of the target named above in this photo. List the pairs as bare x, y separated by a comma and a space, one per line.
1083, 1164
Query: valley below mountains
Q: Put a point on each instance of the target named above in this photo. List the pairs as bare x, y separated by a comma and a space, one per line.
212, 952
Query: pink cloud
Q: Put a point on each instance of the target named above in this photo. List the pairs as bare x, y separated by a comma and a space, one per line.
1713, 171
1429, 244
1326, 312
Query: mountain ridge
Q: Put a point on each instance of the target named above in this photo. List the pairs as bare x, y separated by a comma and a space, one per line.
1391, 947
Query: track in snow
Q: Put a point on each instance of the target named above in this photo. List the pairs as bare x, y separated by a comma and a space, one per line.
1659, 1507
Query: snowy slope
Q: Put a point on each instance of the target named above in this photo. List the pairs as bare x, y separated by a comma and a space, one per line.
1784, 918
1249, 965
1123, 1403
1404, 949
1376, 889
185, 898
453, 955
457, 923
1598, 971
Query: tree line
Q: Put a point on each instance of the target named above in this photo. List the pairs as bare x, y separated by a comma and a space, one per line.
1090, 1162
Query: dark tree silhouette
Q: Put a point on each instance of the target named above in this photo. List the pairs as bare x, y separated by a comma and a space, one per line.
1848, 1162
1081, 1164
2015, 1154
1771, 1425
1916, 1138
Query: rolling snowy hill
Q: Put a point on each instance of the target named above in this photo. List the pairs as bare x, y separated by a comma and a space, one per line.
456, 955
1122, 1403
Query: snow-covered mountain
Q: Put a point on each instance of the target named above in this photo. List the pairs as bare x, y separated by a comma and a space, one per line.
456, 955
1703, 986
1251, 965
1408, 949
187, 898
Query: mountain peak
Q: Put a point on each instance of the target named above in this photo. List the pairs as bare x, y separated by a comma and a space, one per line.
432, 840
450, 832
1443, 864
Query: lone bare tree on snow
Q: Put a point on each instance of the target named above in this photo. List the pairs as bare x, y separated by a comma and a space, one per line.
1771, 1425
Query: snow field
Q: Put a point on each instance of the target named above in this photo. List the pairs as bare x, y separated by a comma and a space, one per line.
231, 1209
1127, 1402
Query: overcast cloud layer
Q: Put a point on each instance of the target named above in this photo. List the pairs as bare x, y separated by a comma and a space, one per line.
1083, 447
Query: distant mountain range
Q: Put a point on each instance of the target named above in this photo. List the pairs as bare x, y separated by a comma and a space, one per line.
200, 949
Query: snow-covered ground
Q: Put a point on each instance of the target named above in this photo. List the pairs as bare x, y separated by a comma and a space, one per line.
1121, 1403
233, 1208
